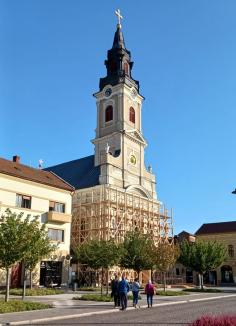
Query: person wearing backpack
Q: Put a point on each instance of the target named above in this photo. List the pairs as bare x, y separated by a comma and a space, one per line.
149, 290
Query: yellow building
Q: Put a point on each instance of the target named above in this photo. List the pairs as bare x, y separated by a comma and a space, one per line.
224, 232
44, 194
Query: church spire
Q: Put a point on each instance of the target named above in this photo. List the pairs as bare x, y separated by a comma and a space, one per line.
118, 63
119, 42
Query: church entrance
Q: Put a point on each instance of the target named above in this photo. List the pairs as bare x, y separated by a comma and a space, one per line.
226, 274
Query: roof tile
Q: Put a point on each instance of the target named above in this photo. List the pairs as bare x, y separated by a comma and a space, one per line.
36, 175
220, 227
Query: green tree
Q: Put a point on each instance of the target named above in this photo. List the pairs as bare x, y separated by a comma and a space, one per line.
138, 249
166, 255
98, 255
38, 246
21, 239
13, 244
202, 256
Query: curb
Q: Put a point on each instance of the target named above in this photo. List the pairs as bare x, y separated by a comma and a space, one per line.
86, 314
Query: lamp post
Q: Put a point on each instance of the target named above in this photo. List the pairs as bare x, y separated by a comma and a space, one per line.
68, 258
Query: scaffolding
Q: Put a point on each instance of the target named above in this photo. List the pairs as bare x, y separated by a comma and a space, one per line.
105, 212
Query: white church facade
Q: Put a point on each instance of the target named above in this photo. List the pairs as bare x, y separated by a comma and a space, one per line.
114, 191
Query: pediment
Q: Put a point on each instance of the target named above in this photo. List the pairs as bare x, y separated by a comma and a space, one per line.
138, 190
136, 135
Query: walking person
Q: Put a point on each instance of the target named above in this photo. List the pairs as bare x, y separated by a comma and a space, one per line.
115, 291
149, 290
135, 291
123, 292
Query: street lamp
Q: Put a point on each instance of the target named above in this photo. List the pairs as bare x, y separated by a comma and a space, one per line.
68, 259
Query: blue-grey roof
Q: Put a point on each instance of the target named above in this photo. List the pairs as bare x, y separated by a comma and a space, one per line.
79, 173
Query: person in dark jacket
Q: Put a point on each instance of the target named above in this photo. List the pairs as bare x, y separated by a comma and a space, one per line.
149, 290
115, 291
123, 292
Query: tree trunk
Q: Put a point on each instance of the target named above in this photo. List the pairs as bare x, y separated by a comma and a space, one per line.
24, 283
7, 284
107, 281
202, 287
31, 280
164, 281
200, 278
101, 280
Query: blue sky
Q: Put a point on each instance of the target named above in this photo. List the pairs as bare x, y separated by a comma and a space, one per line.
51, 58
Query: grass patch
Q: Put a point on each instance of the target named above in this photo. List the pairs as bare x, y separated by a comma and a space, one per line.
34, 292
95, 297
89, 289
203, 291
15, 306
99, 297
171, 293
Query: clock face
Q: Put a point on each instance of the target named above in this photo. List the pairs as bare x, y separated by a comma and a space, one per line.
108, 92
133, 159
133, 92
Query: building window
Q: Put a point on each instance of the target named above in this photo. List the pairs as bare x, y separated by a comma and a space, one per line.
113, 66
126, 68
109, 113
177, 271
56, 207
231, 250
132, 114
56, 234
23, 201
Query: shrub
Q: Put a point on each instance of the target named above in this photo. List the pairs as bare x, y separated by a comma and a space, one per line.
215, 321
15, 306
35, 292
171, 293
95, 297
88, 288
99, 297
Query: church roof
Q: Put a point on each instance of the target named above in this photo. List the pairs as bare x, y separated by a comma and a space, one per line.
220, 227
79, 173
18, 170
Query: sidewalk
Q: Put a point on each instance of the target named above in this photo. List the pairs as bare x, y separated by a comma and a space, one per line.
65, 307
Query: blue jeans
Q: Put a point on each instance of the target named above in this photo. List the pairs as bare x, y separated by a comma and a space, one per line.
135, 297
123, 300
149, 300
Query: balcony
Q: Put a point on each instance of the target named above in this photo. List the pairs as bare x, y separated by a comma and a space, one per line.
58, 217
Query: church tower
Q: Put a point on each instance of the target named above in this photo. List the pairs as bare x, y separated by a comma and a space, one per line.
114, 192
119, 142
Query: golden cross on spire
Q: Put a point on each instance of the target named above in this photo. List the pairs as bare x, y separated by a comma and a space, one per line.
119, 17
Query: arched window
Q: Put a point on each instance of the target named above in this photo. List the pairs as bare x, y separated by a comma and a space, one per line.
113, 66
132, 114
109, 113
126, 68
